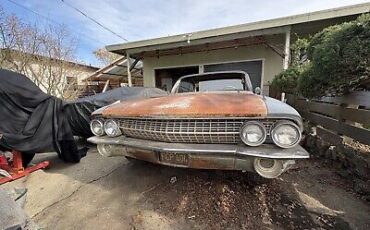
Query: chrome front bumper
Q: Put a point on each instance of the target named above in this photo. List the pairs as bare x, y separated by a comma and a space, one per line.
204, 156
263, 151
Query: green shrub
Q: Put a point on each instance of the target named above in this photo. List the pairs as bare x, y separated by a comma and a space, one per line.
298, 50
287, 80
339, 59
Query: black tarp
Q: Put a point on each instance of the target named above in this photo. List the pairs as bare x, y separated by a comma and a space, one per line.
78, 112
33, 122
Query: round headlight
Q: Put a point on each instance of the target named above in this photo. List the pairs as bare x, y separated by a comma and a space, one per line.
286, 134
97, 127
111, 128
253, 133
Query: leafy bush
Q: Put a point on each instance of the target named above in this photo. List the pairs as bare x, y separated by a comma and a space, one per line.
339, 59
287, 81
298, 52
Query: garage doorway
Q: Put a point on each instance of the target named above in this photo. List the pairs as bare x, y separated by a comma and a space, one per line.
252, 68
166, 78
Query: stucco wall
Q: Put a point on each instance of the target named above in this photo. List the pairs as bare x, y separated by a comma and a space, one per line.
272, 62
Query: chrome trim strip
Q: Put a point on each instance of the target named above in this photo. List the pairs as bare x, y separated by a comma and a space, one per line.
263, 151
168, 117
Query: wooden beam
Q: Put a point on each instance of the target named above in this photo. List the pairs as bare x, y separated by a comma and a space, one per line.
137, 52
134, 64
205, 47
274, 49
329, 136
128, 70
360, 134
361, 98
287, 49
113, 74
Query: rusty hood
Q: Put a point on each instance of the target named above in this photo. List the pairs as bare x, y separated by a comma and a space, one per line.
225, 104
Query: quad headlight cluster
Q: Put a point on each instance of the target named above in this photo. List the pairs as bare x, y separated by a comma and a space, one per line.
285, 134
108, 127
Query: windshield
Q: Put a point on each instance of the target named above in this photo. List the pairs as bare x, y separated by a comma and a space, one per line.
213, 82
211, 85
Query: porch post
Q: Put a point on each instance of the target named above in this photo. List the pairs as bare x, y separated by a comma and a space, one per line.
287, 49
128, 62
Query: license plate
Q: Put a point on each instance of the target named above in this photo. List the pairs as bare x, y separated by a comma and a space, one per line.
175, 158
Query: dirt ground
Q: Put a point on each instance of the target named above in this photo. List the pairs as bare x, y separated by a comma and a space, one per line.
112, 193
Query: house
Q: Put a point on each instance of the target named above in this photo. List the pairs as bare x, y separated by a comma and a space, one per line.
262, 49
60, 78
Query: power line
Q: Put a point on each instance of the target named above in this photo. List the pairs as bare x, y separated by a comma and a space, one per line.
95, 21
25, 8
49, 19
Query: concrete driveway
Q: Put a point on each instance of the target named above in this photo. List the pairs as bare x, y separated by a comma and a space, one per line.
112, 193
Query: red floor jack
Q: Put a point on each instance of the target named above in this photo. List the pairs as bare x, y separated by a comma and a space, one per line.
16, 169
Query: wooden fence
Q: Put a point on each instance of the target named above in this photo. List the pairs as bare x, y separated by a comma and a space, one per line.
337, 117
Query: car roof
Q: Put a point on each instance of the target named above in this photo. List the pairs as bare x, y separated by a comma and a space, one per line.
215, 73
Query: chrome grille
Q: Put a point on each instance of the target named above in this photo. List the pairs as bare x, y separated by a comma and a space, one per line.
186, 130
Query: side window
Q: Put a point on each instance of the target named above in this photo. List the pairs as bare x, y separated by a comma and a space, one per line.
185, 87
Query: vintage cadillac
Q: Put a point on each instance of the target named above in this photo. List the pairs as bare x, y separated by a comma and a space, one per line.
209, 121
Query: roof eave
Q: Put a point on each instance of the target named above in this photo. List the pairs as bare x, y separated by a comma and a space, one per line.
207, 35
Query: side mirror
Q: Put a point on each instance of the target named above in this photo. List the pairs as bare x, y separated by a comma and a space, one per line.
257, 90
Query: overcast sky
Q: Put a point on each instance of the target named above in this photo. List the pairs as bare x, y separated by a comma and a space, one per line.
142, 19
